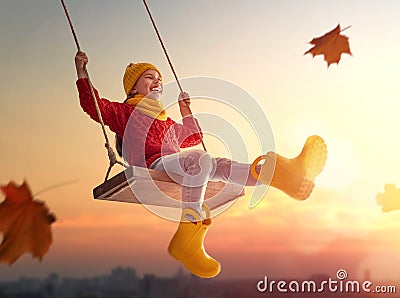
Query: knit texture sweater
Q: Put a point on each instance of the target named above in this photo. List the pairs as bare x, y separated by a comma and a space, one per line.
144, 138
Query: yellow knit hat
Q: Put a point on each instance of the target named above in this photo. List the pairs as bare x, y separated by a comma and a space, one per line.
133, 72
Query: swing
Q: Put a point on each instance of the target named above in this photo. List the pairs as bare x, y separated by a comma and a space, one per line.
151, 187
146, 186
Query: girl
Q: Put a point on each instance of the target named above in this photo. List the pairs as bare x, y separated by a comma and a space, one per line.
154, 141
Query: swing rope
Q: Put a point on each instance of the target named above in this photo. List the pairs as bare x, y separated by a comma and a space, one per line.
162, 45
172, 67
111, 154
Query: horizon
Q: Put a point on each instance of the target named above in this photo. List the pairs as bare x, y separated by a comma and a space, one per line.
181, 271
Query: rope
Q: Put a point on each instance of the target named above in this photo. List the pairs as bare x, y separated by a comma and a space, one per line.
111, 154
171, 66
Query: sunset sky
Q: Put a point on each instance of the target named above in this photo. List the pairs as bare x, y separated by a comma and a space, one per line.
256, 45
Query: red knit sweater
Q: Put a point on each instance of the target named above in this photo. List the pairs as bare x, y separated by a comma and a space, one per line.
145, 138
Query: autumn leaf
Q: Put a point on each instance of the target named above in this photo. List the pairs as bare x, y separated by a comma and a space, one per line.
25, 224
389, 199
332, 45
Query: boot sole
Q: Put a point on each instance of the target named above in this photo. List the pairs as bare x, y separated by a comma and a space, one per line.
315, 155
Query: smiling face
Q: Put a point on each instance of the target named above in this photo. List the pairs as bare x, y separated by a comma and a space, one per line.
149, 84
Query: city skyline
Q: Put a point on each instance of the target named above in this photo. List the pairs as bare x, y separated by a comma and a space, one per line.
124, 282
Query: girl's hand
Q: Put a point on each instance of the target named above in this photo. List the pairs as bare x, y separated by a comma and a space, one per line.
81, 60
184, 104
184, 99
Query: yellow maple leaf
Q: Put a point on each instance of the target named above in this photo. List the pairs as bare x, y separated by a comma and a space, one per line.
389, 199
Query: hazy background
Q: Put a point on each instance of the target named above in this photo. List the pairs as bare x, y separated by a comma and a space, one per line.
257, 45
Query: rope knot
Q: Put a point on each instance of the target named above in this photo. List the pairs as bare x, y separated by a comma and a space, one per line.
111, 154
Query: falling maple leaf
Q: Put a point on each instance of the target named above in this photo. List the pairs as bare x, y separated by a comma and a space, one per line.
332, 45
25, 224
389, 199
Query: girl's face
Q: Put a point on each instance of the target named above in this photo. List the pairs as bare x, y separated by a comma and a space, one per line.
149, 84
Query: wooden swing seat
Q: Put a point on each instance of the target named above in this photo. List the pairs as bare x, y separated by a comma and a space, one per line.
157, 188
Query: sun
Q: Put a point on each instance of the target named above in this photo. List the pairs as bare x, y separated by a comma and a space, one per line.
342, 166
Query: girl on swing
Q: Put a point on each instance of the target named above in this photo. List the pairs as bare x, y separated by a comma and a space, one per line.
161, 141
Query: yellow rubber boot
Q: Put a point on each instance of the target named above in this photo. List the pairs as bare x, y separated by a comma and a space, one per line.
293, 176
187, 246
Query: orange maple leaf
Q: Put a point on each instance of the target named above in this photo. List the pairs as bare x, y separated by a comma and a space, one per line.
25, 224
332, 45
